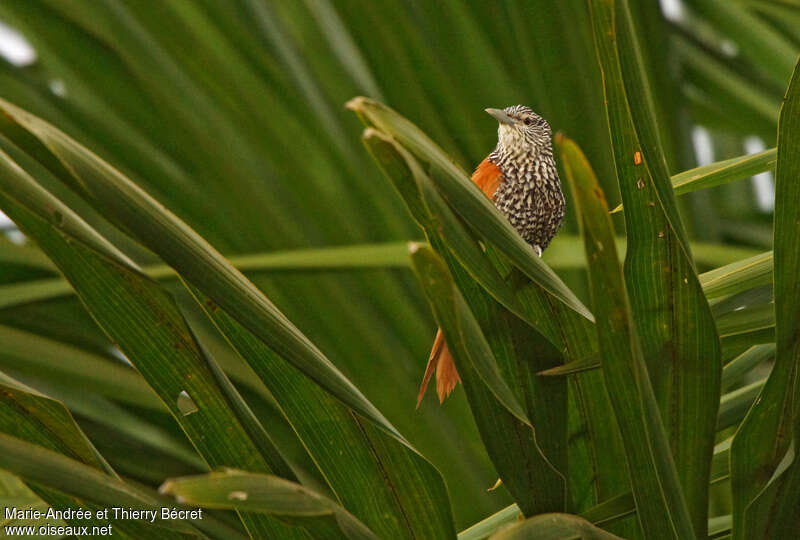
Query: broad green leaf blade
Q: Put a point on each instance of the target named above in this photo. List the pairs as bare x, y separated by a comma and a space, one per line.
733, 371
720, 464
122, 422
465, 197
749, 320
721, 172
142, 319
400, 482
611, 509
738, 276
761, 486
576, 366
276, 462
35, 418
125, 204
485, 528
530, 457
661, 508
554, 527
734, 405
52, 469
460, 328
673, 319
250, 492
720, 526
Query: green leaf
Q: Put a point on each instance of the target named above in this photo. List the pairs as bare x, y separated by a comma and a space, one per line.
250, 492
575, 366
461, 330
35, 419
132, 209
508, 435
749, 326
719, 526
661, 508
401, 483
554, 527
52, 469
733, 371
720, 464
67, 373
721, 172
611, 509
673, 319
765, 491
738, 276
142, 319
725, 171
485, 528
734, 405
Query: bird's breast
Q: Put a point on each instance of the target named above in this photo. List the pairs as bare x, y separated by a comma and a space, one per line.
529, 195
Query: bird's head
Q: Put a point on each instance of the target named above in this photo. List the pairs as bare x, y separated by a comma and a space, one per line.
521, 130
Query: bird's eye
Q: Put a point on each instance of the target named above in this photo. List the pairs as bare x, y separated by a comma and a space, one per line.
528, 121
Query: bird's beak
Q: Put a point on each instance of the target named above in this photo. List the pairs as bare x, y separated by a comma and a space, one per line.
501, 117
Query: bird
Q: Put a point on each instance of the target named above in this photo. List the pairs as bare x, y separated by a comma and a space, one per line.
521, 179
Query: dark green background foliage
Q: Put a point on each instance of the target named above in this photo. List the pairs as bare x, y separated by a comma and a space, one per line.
156, 153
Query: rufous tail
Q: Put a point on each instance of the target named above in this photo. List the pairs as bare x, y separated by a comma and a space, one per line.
440, 361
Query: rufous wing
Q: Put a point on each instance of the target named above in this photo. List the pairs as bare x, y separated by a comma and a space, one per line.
488, 177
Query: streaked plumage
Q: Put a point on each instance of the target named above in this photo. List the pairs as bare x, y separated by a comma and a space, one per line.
521, 178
